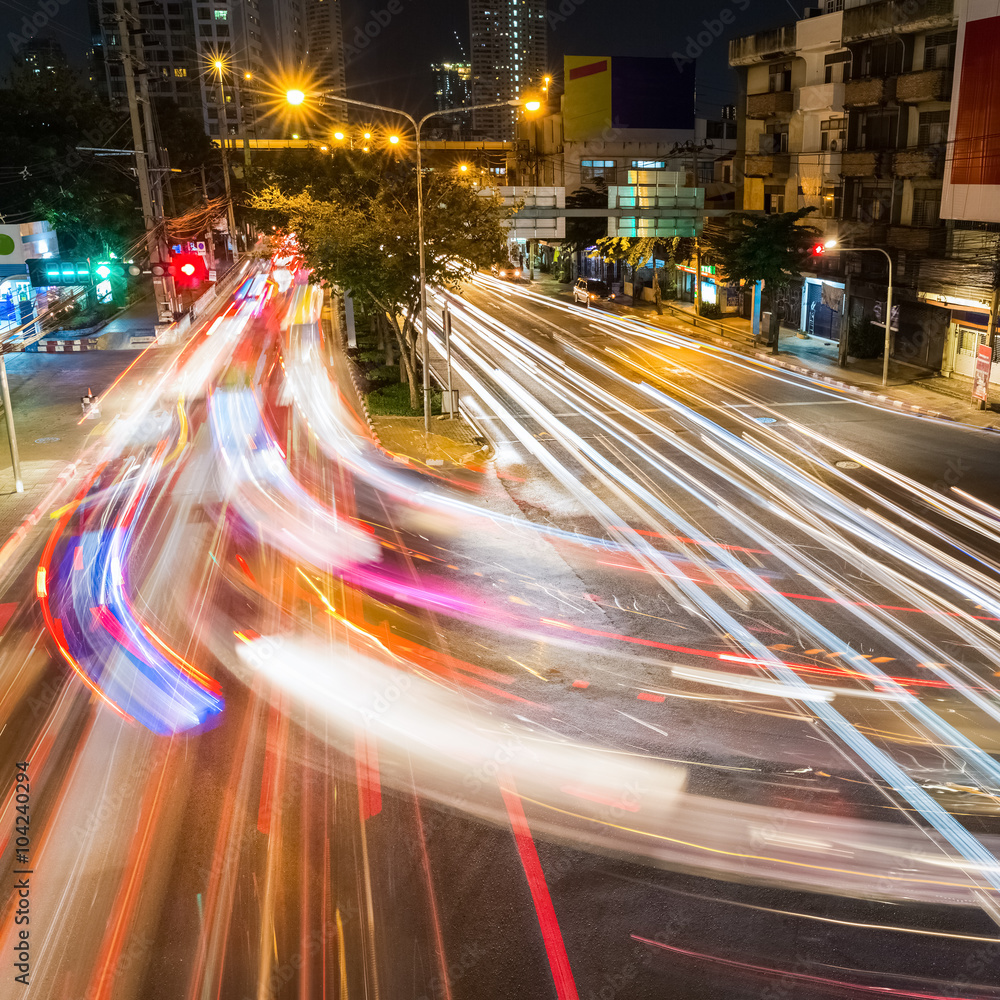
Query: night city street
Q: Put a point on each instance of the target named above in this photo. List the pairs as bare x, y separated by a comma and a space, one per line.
482, 521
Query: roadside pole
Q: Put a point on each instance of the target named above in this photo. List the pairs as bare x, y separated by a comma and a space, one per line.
8, 413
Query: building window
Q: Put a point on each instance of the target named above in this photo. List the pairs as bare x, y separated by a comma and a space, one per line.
831, 134
926, 207
878, 129
779, 77
222, 29
878, 59
180, 71
774, 198
939, 50
205, 29
222, 15
830, 203
874, 203
597, 170
832, 6
968, 340
774, 139
932, 128
645, 164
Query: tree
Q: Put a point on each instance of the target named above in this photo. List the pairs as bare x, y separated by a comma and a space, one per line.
362, 237
768, 248
636, 251
91, 201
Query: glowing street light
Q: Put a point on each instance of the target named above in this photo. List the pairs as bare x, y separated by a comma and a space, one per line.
339, 136
394, 139
529, 104
464, 167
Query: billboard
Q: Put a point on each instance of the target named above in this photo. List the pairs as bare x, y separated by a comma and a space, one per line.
971, 188
606, 94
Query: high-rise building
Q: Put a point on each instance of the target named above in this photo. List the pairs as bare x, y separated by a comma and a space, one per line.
43, 57
509, 55
177, 48
452, 85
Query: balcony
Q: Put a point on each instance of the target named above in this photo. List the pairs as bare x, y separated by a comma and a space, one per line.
868, 93
927, 85
770, 105
922, 239
860, 163
762, 47
767, 165
820, 97
918, 163
896, 17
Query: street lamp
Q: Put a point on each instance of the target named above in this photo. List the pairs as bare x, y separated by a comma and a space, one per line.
830, 245
297, 97
219, 66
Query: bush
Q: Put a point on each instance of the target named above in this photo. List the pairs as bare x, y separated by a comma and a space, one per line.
89, 317
864, 340
710, 310
394, 401
370, 357
383, 374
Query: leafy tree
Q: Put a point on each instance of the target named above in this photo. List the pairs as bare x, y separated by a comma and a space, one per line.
768, 248
92, 201
363, 238
637, 251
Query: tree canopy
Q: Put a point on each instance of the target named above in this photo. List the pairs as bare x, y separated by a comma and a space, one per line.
768, 248
356, 225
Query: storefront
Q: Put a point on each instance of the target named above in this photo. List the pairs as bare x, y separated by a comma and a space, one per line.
821, 309
714, 290
969, 320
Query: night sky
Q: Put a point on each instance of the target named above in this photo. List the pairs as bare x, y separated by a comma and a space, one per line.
394, 68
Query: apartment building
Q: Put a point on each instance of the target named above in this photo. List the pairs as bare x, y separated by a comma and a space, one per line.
175, 46
847, 111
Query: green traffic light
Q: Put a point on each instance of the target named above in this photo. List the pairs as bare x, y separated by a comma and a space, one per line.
103, 270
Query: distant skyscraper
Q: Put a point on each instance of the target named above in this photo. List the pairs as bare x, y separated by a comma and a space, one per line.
452, 89
43, 57
452, 85
179, 44
508, 59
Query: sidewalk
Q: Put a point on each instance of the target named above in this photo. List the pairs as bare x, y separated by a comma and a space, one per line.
909, 388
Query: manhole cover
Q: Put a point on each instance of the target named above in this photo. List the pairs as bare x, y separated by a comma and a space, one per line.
46, 440
765, 420
847, 465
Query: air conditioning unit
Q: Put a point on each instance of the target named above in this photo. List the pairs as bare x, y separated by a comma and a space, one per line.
834, 145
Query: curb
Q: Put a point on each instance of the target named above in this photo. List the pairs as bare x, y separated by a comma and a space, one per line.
886, 402
62, 346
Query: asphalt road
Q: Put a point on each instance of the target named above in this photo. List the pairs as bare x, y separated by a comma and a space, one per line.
669, 704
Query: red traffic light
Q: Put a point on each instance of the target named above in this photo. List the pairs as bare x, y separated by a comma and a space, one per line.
189, 269
818, 250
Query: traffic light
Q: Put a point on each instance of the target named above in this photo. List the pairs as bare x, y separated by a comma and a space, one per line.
50, 271
818, 250
187, 269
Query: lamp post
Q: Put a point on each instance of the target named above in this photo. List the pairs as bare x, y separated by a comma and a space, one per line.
219, 66
832, 244
296, 97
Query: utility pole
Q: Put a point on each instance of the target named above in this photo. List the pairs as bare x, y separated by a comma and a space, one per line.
224, 142
163, 286
209, 236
